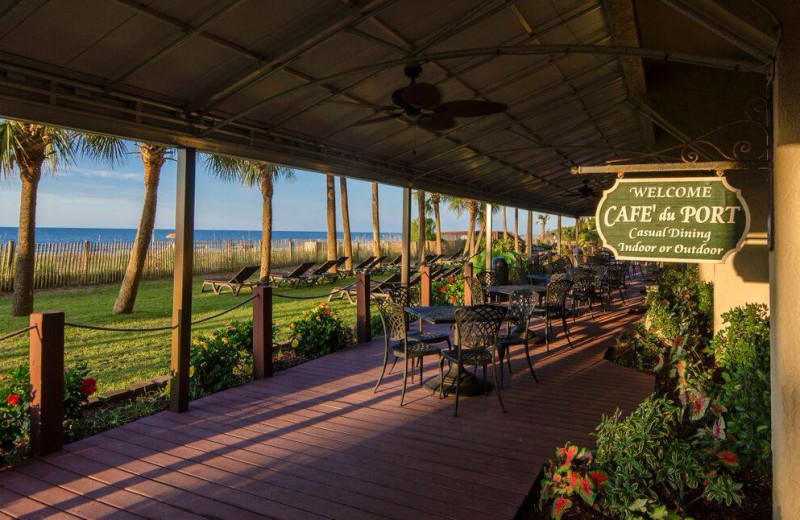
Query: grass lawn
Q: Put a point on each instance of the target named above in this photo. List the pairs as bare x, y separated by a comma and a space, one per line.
117, 359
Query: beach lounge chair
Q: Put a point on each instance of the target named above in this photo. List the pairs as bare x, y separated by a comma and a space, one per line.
294, 277
376, 288
235, 284
326, 271
394, 264
362, 265
375, 265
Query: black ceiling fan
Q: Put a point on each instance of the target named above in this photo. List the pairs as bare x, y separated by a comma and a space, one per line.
423, 102
586, 191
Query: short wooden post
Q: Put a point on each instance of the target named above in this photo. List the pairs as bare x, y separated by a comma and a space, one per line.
46, 360
363, 321
467, 286
425, 285
262, 332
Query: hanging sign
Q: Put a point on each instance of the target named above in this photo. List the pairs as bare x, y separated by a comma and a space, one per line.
696, 220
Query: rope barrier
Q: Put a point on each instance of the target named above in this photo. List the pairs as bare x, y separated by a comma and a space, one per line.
119, 329
17, 333
226, 311
314, 297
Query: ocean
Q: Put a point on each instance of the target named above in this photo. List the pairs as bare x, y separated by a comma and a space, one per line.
60, 235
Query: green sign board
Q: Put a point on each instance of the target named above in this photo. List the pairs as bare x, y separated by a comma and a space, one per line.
697, 219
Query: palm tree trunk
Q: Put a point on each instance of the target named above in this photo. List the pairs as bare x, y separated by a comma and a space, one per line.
478, 237
529, 235
541, 235
376, 226
331, 214
22, 301
470, 231
266, 224
558, 236
505, 225
438, 223
152, 160
348, 244
422, 227
516, 230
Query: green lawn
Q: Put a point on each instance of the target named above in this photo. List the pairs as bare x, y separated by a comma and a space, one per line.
118, 359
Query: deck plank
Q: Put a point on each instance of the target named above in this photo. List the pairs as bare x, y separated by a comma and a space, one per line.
315, 441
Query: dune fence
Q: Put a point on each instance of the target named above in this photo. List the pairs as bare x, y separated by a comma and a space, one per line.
66, 264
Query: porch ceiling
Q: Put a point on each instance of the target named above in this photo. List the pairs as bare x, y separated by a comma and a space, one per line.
289, 81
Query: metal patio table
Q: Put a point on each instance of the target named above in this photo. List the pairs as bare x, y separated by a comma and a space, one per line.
470, 383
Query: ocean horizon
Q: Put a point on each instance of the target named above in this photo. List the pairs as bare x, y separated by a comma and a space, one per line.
69, 234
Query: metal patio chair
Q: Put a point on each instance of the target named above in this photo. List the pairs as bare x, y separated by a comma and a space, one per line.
518, 329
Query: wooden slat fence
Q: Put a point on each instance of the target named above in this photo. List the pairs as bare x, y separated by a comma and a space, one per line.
92, 263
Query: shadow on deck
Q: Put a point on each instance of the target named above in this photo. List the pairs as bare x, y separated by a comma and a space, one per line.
315, 442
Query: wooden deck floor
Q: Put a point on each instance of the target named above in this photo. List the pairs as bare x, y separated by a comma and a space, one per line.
315, 442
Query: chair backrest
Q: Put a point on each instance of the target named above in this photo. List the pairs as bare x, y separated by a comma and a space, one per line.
393, 279
340, 261
476, 288
557, 277
487, 278
520, 307
300, 269
557, 294
616, 273
325, 267
393, 319
365, 263
403, 295
583, 281
245, 273
396, 260
478, 326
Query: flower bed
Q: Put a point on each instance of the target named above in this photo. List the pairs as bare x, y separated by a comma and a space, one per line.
700, 446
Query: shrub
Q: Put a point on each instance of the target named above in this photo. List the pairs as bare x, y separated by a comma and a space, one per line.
648, 465
14, 415
742, 353
318, 332
681, 304
221, 360
639, 349
572, 475
448, 292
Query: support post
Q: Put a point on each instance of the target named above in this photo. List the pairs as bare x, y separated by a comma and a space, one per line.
262, 332
467, 288
85, 266
46, 360
529, 235
182, 281
405, 247
421, 226
558, 235
489, 237
425, 285
363, 326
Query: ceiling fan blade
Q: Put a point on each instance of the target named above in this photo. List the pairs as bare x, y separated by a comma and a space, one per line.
435, 122
471, 108
379, 119
422, 95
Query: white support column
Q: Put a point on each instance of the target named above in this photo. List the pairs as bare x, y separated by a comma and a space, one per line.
784, 275
488, 254
405, 265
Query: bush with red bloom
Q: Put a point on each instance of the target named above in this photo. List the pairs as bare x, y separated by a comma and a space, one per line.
12, 400
448, 292
89, 386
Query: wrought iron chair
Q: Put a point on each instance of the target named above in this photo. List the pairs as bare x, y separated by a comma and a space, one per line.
399, 344
478, 328
476, 288
518, 332
555, 308
406, 296
585, 292
614, 278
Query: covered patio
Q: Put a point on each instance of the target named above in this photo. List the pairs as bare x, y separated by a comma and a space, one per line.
314, 441
587, 86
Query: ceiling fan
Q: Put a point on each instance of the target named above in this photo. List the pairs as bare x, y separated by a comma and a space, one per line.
423, 102
586, 191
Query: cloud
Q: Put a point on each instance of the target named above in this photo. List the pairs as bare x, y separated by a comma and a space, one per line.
102, 174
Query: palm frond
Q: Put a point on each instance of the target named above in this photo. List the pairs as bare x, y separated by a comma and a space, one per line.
102, 148
245, 171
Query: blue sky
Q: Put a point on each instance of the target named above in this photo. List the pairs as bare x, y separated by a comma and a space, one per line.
90, 194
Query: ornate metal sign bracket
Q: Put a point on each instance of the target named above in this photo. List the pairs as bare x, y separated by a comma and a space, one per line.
718, 167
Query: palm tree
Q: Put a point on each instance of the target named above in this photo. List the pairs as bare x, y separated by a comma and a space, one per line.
253, 174
31, 149
346, 241
542, 218
516, 230
436, 199
331, 216
529, 235
505, 225
479, 236
459, 206
376, 226
153, 157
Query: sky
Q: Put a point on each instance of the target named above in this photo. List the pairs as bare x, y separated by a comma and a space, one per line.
92, 194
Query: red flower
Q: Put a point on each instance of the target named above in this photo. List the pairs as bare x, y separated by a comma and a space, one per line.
454, 299
12, 399
326, 312
450, 280
678, 340
89, 386
442, 289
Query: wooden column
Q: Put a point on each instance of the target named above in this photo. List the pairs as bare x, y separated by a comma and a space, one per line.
425, 285
467, 289
529, 235
405, 247
46, 360
488, 255
558, 236
262, 332
363, 325
182, 280
421, 227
